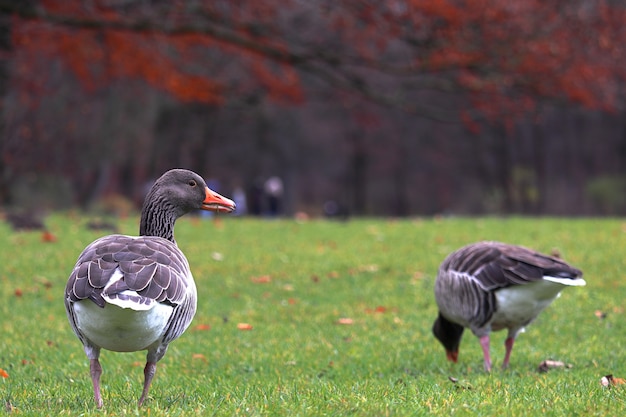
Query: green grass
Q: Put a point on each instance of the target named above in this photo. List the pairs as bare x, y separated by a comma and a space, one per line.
297, 360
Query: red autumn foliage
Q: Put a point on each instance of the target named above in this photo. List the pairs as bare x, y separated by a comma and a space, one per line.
504, 55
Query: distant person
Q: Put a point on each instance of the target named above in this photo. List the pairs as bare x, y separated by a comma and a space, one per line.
255, 198
239, 197
333, 210
273, 188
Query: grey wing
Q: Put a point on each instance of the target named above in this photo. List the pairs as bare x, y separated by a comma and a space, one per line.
497, 265
153, 267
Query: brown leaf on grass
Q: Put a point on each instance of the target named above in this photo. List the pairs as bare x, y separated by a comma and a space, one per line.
3, 373
345, 321
48, 237
263, 279
244, 326
610, 381
547, 365
379, 310
202, 326
333, 274
315, 278
199, 356
18, 292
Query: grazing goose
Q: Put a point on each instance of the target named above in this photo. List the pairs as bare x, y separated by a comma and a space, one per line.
128, 293
492, 286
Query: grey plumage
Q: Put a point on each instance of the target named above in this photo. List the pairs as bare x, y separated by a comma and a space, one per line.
137, 293
488, 286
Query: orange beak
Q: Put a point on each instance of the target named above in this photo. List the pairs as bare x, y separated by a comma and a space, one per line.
215, 202
452, 356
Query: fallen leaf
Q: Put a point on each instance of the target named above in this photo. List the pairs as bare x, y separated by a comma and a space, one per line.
609, 381
263, 279
217, 256
301, 217
3, 373
199, 356
244, 326
46, 236
368, 268
202, 327
600, 314
345, 321
18, 292
546, 365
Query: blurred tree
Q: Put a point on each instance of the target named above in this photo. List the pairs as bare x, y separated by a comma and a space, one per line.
485, 62
504, 55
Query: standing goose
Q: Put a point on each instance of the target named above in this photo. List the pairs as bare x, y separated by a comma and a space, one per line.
128, 293
492, 286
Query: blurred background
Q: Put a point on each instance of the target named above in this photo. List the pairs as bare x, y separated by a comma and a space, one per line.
323, 107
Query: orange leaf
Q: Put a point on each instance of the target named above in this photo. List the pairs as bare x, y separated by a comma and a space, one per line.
18, 292
3, 373
345, 320
610, 380
202, 327
48, 237
244, 326
263, 279
199, 356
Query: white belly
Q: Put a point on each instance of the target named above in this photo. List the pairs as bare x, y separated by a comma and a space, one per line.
121, 329
519, 305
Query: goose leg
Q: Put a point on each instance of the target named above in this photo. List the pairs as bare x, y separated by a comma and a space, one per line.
508, 345
96, 370
148, 373
484, 343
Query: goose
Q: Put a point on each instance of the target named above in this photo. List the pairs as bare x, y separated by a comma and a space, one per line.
134, 293
490, 286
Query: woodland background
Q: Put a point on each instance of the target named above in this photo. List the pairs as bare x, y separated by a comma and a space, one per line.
388, 107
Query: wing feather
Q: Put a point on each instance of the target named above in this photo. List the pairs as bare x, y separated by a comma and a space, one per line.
153, 267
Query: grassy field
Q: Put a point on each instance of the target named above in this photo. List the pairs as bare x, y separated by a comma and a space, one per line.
340, 315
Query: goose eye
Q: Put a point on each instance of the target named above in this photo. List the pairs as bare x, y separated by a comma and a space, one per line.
192, 183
